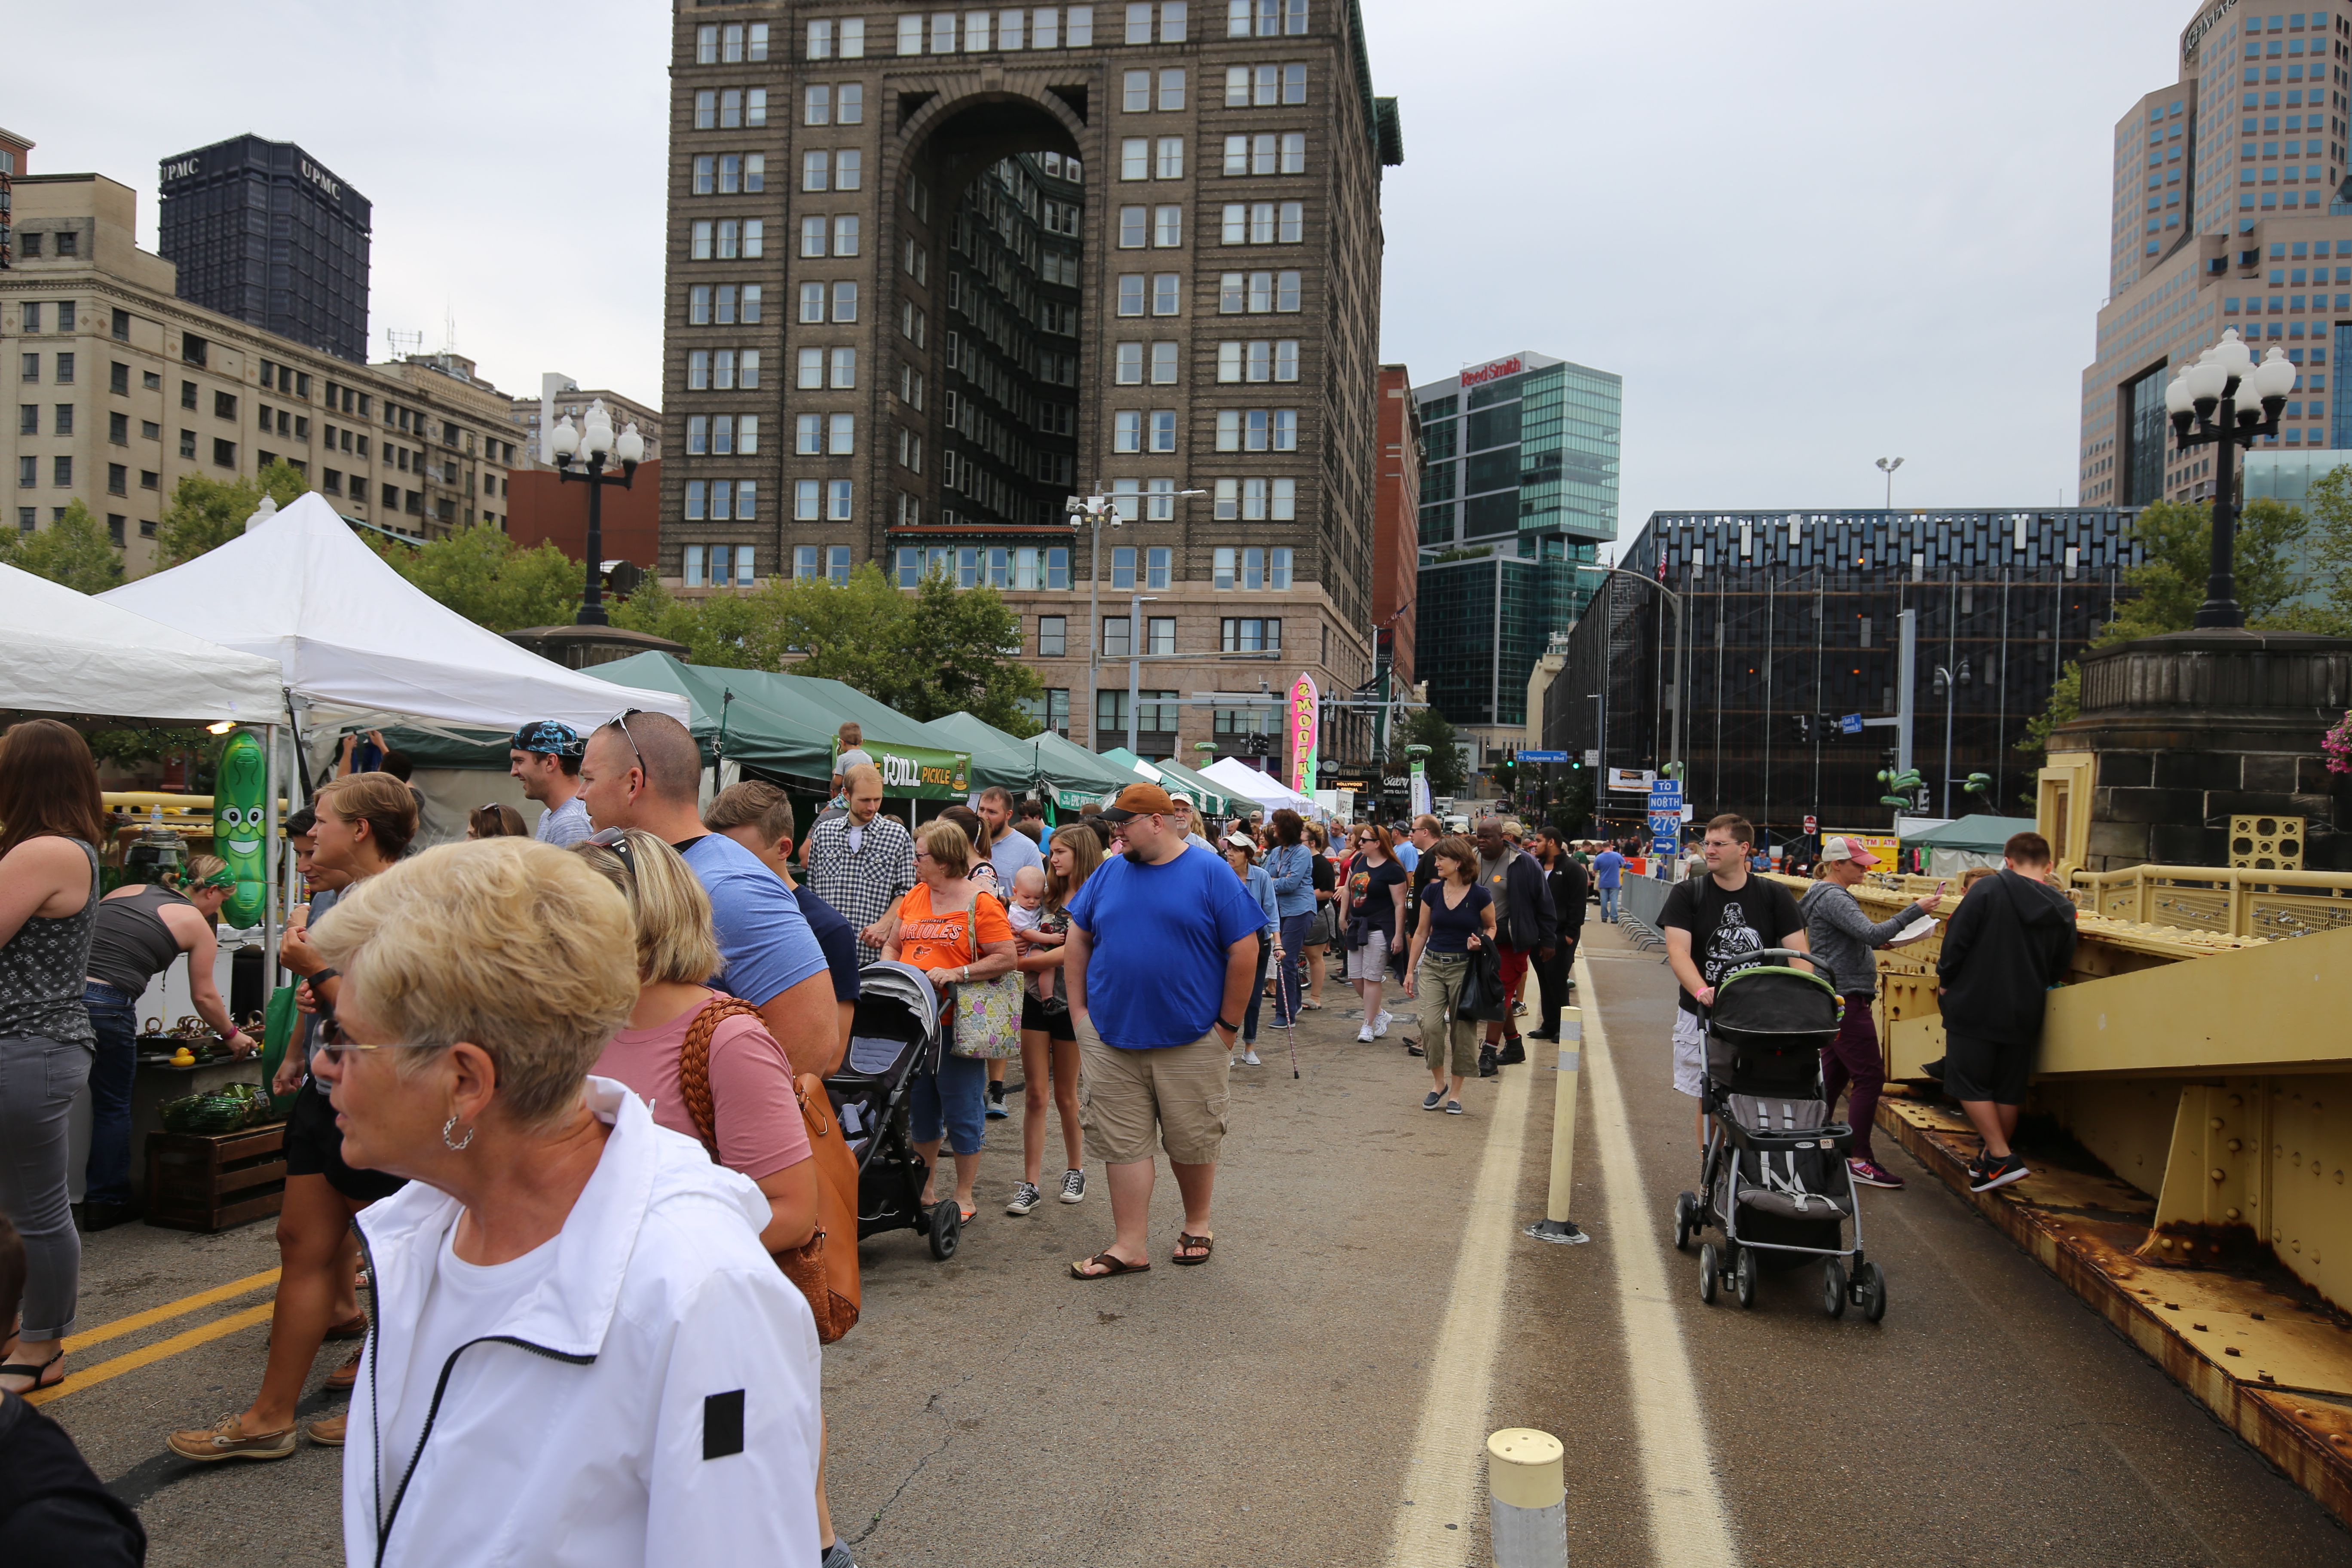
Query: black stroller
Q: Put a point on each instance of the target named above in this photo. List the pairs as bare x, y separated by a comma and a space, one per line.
1774, 1173
894, 1037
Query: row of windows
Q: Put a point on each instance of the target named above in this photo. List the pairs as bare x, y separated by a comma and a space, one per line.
721, 435
720, 566
979, 566
730, 108
1243, 222
1052, 26
833, 103
734, 42
729, 173
843, 169
728, 303
723, 370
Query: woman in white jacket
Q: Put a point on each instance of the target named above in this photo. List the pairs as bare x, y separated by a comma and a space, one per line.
581, 1355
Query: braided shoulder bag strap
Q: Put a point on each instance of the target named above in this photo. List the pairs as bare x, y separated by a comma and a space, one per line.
694, 1065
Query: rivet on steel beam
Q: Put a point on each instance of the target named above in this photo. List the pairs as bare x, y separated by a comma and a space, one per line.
2230, 1214
2220, 1174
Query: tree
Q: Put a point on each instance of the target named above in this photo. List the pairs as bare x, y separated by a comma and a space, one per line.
74, 550
486, 577
941, 650
1428, 727
205, 514
2331, 549
2176, 543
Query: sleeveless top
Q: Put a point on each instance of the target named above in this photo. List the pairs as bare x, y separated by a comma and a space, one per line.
41, 973
130, 944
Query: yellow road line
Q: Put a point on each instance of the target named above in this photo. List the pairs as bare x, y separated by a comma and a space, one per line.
1687, 1523
1446, 1477
169, 1310
146, 1355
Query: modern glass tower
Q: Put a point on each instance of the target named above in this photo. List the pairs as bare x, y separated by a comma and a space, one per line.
262, 231
1519, 483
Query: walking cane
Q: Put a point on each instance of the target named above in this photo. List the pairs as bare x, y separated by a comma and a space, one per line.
1289, 1029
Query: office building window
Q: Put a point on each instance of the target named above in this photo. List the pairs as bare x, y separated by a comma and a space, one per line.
837, 501
1052, 636
1167, 233
1127, 430
1250, 634
1128, 364
1131, 294
1133, 226
836, 563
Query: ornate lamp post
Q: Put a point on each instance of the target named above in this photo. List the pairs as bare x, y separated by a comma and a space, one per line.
595, 435
2203, 400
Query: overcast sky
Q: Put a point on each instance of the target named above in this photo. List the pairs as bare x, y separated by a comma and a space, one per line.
1808, 236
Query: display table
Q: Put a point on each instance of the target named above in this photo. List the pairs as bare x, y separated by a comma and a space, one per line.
160, 1082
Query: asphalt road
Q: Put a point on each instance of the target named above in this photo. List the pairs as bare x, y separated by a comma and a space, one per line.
1269, 1408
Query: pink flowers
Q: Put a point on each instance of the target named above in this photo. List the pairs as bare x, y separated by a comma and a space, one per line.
2338, 744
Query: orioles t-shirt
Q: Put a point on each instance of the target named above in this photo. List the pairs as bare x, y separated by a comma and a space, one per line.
943, 940
1727, 929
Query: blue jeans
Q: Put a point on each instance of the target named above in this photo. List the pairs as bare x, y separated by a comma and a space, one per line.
1257, 992
955, 1099
114, 1017
1609, 905
1296, 932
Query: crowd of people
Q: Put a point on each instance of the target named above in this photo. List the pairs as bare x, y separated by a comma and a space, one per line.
558, 1090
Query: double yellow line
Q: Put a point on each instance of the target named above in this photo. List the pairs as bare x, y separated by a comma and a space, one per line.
80, 1378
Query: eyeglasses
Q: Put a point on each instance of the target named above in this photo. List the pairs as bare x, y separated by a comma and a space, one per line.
623, 721
332, 1041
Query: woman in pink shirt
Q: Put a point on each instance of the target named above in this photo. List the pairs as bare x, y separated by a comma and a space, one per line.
754, 1113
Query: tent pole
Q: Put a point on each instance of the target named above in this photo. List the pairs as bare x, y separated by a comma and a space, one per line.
272, 858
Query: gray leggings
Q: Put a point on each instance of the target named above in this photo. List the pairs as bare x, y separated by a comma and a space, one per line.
38, 1080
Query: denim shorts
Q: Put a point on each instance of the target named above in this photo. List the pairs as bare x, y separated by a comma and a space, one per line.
953, 1099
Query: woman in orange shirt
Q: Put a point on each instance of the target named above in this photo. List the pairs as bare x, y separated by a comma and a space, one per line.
949, 928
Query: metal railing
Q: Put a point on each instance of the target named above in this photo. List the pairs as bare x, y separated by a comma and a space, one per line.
2224, 901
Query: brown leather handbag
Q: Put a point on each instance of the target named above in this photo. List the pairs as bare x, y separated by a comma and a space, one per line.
826, 1275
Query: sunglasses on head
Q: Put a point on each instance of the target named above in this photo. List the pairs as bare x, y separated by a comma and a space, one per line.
622, 720
616, 839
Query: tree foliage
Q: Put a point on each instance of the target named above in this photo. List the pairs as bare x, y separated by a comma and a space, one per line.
2175, 542
940, 650
205, 514
74, 550
486, 577
1428, 727
2330, 504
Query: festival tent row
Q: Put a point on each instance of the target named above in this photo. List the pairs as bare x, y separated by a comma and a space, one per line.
1214, 800
1239, 778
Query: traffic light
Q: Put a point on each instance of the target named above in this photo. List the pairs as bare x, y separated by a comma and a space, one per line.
1804, 723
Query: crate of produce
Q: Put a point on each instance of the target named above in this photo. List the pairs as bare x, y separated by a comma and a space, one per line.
207, 1182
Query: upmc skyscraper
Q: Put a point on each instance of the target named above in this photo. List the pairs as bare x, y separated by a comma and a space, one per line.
262, 231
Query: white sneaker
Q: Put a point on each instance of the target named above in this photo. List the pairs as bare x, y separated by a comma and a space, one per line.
1380, 1025
1249, 1056
1364, 1035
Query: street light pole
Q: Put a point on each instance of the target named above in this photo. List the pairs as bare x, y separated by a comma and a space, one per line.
1887, 466
1135, 602
595, 434
1093, 509
2211, 384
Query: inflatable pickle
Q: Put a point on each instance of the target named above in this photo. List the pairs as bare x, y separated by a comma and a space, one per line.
240, 823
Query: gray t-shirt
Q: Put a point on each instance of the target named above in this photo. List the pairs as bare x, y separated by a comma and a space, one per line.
565, 826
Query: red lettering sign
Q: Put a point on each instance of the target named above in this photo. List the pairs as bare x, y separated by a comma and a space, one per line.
1493, 370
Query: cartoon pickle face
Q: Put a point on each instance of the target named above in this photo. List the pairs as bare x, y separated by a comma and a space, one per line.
240, 824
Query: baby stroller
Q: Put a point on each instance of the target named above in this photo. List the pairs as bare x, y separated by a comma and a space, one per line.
1774, 1174
894, 1037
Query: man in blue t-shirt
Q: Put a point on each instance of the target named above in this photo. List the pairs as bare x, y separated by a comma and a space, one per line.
1161, 955
1607, 867
643, 771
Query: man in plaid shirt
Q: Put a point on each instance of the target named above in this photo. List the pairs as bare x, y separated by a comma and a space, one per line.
862, 862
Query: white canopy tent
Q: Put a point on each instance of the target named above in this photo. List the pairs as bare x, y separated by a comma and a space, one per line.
63, 652
1237, 777
357, 643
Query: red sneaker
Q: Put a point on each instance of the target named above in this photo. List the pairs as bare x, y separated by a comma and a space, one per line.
1870, 1173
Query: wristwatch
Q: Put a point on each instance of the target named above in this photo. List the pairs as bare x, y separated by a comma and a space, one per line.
1231, 1028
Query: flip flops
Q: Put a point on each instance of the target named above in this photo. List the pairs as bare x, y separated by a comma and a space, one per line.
39, 1374
1186, 1240
1112, 1266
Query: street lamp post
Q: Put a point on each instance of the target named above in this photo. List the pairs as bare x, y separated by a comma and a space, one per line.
1135, 602
1095, 510
2202, 401
1946, 681
1887, 466
595, 435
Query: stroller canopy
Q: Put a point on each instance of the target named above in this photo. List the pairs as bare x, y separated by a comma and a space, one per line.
1774, 999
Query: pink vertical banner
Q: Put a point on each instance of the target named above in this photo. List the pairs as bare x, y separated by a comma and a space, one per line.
1303, 715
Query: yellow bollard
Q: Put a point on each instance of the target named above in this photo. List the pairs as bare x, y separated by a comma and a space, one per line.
1527, 1501
1556, 1226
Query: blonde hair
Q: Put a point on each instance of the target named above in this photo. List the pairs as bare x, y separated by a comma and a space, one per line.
510, 944
752, 804
381, 801
201, 867
668, 904
946, 842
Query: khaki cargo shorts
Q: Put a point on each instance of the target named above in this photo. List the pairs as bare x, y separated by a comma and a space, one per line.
1123, 1093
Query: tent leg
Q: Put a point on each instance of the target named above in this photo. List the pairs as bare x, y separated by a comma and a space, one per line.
272, 858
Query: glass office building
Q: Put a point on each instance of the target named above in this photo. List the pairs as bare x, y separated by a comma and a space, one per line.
1519, 483
1792, 622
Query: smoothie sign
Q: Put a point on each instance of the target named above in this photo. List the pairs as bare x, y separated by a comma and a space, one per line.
1303, 712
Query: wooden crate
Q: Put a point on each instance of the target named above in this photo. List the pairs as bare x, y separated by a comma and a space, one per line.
199, 1181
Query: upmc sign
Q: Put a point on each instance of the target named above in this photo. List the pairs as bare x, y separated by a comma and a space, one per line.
1493, 370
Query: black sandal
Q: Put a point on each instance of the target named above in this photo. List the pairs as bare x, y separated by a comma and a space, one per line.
1113, 1266
1185, 1240
37, 1371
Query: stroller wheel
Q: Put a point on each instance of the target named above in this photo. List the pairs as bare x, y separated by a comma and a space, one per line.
1834, 1288
1870, 1290
1685, 1221
1708, 1266
1743, 1277
946, 1228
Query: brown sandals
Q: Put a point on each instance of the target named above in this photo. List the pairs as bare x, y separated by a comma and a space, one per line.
1112, 1266
1186, 1241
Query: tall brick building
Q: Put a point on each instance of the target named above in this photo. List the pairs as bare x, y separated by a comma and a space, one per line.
931, 273
1395, 553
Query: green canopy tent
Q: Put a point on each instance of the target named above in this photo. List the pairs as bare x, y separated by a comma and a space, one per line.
1207, 795
1004, 760
1965, 842
1089, 777
785, 724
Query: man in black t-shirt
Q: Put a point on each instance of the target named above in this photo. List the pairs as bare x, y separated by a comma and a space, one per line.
1714, 925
